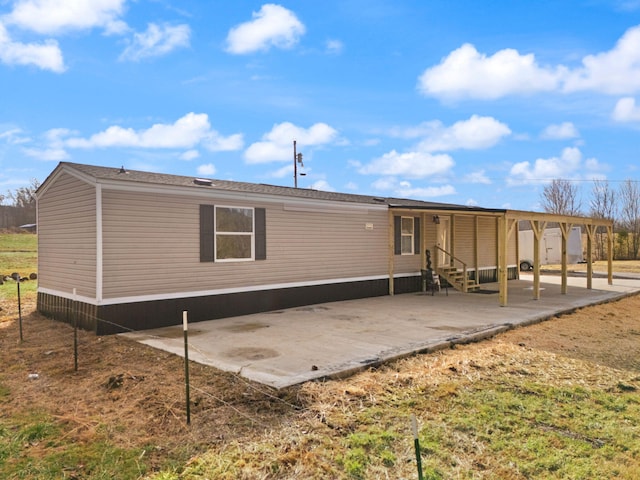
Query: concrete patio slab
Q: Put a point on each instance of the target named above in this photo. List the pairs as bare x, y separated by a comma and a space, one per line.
287, 347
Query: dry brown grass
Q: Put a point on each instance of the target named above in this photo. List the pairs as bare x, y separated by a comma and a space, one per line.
250, 428
601, 266
147, 407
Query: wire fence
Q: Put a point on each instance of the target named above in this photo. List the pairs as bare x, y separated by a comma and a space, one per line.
63, 339
57, 340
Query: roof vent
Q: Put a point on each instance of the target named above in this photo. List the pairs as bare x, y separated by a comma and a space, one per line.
203, 181
122, 170
378, 199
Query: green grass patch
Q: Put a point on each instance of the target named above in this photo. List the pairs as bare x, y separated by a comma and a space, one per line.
35, 446
18, 253
541, 431
18, 242
502, 426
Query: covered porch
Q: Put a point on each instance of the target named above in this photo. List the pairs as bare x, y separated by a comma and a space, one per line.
467, 246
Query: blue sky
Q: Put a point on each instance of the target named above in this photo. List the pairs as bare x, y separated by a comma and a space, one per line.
467, 102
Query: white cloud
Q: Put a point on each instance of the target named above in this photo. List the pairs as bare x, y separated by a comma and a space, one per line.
282, 172
568, 165
157, 40
190, 130
322, 185
473, 134
477, 177
628, 5
465, 72
207, 169
626, 110
217, 143
615, 72
190, 155
54, 143
58, 16
562, 131
385, 183
471, 203
46, 55
409, 164
48, 154
426, 192
404, 189
277, 145
334, 47
14, 136
272, 26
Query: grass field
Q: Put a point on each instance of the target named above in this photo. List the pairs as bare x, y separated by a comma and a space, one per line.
551, 401
18, 254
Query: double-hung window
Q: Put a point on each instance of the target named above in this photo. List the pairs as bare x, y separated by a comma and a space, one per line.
407, 235
234, 233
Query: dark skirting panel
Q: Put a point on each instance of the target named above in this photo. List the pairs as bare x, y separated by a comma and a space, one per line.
125, 317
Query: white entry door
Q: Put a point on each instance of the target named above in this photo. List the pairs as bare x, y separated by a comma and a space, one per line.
443, 235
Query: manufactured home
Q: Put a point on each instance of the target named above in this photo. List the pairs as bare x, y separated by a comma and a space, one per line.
126, 250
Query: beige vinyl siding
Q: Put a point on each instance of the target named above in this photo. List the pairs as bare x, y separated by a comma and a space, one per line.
512, 252
67, 237
487, 242
151, 246
465, 239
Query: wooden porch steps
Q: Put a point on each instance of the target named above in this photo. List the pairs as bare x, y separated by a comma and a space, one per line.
456, 279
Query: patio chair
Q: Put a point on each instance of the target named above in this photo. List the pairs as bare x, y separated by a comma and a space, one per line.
432, 281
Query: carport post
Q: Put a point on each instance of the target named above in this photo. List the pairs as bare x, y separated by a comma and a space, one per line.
186, 364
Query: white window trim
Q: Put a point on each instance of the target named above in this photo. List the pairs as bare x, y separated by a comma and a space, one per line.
252, 234
402, 234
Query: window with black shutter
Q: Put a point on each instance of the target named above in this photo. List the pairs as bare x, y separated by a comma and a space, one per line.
232, 234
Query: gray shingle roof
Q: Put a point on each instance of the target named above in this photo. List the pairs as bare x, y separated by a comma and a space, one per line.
134, 176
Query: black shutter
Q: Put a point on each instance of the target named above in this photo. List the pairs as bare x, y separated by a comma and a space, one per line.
416, 236
397, 235
207, 233
260, 234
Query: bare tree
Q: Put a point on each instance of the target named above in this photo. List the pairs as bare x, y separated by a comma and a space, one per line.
630, 214
25, 197
602, 205
22, 208
561, 197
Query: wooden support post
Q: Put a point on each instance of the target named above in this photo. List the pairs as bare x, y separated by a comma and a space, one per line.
391, 252
503, 236
423, 249
452, 237
538, 231
591, 230
565, 229
476, 249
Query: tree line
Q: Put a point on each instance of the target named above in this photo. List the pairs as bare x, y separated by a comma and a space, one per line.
18, 207
621, 205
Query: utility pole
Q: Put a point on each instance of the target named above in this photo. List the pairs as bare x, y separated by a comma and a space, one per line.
295, 166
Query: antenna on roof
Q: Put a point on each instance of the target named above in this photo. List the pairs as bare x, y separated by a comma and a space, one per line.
297, 159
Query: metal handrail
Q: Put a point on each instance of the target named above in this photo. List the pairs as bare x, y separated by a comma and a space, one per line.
453, 259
